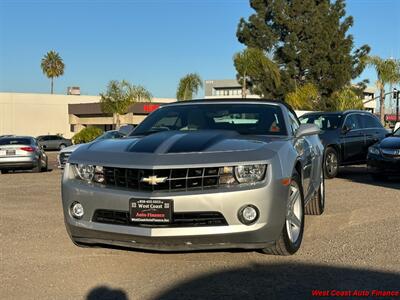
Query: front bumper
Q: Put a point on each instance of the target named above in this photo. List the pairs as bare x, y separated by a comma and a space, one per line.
269, 197
383, 165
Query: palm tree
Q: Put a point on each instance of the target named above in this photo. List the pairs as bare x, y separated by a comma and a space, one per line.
52, 66
140, 93
188, 86
119, 96
388, 72
253, 65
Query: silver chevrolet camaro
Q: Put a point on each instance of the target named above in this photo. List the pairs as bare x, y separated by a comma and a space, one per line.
202, 174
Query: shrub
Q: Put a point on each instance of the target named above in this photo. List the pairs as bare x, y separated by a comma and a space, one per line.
306, 97
346, 98
87, 135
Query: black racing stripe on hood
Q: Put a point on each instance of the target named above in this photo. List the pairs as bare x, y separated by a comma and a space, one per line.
150, 143
199, 141
179, 142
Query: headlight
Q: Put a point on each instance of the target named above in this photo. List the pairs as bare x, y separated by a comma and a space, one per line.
250, 173
373, 150
89, 173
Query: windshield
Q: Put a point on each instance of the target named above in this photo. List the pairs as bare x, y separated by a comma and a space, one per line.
324, 122
243, 118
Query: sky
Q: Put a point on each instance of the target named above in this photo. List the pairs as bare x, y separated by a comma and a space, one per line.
148, 42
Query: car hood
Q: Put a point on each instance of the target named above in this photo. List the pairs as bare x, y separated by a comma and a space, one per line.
392, 142
71, 148
179, 148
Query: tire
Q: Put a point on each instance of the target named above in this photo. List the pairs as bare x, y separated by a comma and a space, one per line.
4, 171
331, 163
379, 177
316, 205
38, 168
62, 146
46, 167
291, 236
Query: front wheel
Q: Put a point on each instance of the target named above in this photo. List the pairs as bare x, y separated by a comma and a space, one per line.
62, 146
292, 232
331, 163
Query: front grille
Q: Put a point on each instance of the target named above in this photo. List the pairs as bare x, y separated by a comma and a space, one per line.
186, 219
174, 179
64, 158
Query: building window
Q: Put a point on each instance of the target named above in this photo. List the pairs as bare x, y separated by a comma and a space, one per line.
72, 128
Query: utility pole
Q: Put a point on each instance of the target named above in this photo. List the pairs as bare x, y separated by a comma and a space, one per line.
396, 96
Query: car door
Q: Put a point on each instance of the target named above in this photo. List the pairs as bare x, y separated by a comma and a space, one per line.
353, 140
374, 131
55, 142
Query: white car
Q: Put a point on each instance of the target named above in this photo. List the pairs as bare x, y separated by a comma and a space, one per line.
65, 153
396, 126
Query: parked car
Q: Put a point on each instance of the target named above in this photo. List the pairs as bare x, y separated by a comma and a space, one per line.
199, 175
53, 142
65, 153
21, 152
346, 137
384, 157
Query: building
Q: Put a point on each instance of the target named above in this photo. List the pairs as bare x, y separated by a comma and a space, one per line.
82, 115
229, 88
369, 101
39, 114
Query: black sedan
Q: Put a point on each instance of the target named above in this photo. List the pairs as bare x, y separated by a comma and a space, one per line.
384, 158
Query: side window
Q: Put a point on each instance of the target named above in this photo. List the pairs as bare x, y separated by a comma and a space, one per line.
170, 121
352, 122
370, 122
294, 123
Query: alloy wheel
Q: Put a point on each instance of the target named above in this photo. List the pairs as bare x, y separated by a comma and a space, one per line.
294, 215
331, 163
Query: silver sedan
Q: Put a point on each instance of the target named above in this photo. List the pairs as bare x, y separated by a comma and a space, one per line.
21, 153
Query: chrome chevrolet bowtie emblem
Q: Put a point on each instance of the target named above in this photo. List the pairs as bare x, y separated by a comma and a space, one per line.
154, 180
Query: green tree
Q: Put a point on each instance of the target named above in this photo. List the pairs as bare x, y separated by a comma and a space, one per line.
388, 72
308, 40
256, 72
188, 86
346, 98
87, 135
119, 96
305, 97
52, 66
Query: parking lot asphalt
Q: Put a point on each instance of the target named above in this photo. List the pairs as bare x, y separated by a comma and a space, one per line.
353, 246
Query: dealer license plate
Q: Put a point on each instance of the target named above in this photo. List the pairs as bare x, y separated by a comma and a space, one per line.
10, 152
151, 210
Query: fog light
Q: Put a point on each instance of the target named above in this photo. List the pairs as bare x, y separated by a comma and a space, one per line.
248, 214
77, 210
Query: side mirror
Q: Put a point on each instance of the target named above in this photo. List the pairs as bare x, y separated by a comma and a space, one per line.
307, 129
345, 129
